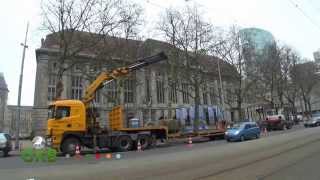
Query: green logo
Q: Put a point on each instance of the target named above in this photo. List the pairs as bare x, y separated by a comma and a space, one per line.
44, 155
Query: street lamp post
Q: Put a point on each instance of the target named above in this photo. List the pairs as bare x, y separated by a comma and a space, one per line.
24, 45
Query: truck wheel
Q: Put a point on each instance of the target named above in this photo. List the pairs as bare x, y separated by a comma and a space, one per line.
69, 146
153, 141
144, 141
124, 143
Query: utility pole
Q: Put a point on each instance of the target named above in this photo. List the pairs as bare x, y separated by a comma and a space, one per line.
18, 120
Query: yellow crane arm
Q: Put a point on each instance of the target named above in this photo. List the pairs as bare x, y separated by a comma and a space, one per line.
117, 73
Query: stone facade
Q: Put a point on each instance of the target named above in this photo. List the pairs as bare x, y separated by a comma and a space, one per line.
3, 102
140, 94
25, 120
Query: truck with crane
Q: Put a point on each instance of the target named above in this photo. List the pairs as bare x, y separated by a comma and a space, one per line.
72, 123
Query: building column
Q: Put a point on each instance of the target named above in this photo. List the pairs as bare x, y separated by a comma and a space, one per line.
140, 97
153, 92
40, 112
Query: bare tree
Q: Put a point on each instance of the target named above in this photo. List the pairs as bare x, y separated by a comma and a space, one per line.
306, 77
84, 27
190, 36
235, 49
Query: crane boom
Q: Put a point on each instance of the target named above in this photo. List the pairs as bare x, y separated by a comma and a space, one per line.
117, 73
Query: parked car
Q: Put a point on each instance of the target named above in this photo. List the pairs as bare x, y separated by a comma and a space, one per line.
5, 143
242, 131
313, 121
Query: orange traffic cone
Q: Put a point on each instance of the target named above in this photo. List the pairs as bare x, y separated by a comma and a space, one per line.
139, 146
77, 151
189, 142
265, 131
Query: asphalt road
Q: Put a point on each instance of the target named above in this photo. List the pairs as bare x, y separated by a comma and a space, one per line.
291, 154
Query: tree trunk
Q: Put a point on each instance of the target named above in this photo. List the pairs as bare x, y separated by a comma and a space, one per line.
309, 106
59, 89
196, 108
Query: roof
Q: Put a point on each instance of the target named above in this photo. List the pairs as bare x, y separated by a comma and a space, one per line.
115, 47
93, 44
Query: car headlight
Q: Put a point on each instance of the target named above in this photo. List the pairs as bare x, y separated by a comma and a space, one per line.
314, 121
226, 133
2, 145
237, 132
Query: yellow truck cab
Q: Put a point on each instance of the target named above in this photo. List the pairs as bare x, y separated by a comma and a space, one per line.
65, 116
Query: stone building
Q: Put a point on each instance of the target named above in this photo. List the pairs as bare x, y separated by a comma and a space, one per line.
145, 94
3, 102
25, 120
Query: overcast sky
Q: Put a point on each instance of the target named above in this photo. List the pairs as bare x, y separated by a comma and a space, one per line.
280, 17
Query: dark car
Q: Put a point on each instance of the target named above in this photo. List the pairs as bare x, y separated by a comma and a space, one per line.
5, 143
243, 131
313, 122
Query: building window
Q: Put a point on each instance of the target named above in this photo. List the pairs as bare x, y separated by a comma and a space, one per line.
173, 93
204, 95
52, 87
111, 89
212, 95
129, 91
148, 89
77, 68
185, 93
160, 88
76, 87
97, 97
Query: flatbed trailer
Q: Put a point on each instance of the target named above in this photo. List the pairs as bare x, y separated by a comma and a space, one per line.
119, 138
212, 134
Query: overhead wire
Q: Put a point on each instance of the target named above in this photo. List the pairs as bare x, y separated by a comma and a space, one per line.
304, 14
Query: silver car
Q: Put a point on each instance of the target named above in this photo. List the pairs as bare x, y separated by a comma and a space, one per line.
313, 122
5, 143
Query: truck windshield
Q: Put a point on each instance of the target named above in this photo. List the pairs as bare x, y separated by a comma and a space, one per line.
51, 112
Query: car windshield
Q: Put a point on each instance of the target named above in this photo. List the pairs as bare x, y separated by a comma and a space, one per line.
316, 115
2, 137
237, 126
